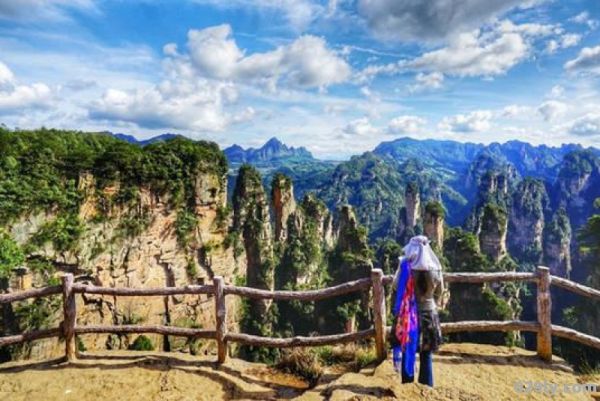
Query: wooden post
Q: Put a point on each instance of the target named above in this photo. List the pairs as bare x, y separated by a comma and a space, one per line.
70, 315
379, 313
221, 319
544, 309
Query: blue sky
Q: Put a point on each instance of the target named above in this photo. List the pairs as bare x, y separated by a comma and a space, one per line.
336, 76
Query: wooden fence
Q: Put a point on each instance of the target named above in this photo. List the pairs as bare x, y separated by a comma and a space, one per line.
68, 329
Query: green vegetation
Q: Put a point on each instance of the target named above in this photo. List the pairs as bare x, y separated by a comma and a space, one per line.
435, 209
39, 170
185, 224
142, 343
11, 255
303, 363
478, 302
63, 233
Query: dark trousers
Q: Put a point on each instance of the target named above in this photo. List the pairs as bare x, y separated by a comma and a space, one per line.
425, 369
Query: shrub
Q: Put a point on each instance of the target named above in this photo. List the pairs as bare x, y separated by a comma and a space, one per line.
11, 255
142, 343
302, 363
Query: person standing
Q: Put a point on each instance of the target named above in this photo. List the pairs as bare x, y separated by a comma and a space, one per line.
417, 283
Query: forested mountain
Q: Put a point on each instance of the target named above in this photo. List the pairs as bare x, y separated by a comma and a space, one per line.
175, 212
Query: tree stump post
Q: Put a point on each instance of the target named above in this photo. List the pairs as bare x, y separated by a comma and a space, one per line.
221, 319
544, 317
379, 312
70, 315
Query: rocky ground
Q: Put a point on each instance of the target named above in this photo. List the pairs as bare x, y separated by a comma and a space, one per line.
463, 372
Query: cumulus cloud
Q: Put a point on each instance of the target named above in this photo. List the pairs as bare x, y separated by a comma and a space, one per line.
433, 80
306, 63
588, 61
586, 126
584, 18
15, 97
405, 125
434, 20
42, 9
552, 109
515, 111
487, 52
474, 54
475, 121
202, 85
563, 42
183, 104
361, 127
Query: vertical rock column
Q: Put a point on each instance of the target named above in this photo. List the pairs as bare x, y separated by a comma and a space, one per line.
251, 223
434, 224
492, 238
282, 193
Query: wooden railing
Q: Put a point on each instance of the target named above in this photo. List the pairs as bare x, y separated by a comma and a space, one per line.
68, 329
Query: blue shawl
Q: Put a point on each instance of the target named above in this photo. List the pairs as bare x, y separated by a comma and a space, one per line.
406, 322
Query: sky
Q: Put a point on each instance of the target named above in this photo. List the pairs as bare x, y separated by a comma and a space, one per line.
335, 76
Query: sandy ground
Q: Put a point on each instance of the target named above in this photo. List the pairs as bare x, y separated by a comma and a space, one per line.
463, 372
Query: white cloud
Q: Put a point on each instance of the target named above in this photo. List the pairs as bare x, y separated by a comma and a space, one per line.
434, 20
360, 127
586, 126
405, 125
306, 63
515, 111
433, 80
588, 60
299, 13
563, 42
180, 104
551, 109
474, 54
584, 18
557, 91
15, 97
49, 10
475, 121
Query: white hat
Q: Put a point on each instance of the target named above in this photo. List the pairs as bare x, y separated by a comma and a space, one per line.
421, 255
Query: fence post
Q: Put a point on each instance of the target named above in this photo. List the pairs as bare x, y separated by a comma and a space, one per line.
379, 312
221, 319
69, 316
544, 317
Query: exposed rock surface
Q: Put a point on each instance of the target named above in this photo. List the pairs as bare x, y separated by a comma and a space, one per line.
492, 237
462, 372
282, 192
251, 226
108, 256
433, 224
526, 220
557, 244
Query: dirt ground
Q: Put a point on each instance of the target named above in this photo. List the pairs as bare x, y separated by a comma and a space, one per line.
463, 372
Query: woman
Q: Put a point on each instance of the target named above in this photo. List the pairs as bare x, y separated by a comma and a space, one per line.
416, 323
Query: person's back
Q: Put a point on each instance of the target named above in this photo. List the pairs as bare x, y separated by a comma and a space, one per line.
427, 283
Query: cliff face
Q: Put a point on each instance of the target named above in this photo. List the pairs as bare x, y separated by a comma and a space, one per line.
433, 226
492, 237
413, 206
526, 220
282, 198
251, 225
135, 245
557, 244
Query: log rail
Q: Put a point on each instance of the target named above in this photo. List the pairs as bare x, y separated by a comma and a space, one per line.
377, 282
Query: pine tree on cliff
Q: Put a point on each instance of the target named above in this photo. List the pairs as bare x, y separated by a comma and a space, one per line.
251, 221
